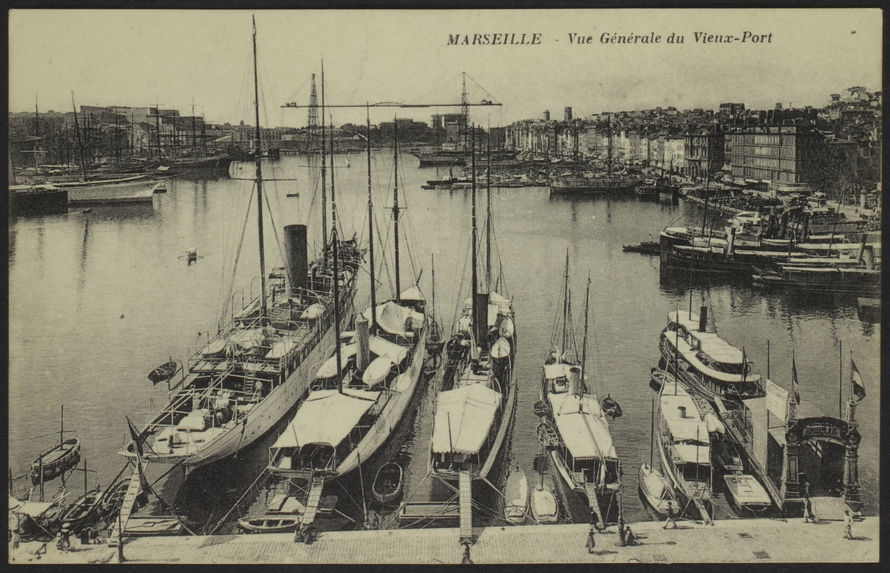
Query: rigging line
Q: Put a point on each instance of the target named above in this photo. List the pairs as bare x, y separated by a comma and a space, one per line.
278, 242
237, 257
395, 514
240, 499
458, 308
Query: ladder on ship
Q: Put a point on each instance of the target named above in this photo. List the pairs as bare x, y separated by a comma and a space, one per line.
465, 500
316, 485
702, 510
593, 501
133, 490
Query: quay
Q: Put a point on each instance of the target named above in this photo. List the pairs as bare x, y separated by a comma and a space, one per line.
736, 540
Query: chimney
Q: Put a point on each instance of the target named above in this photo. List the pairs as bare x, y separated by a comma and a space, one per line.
363, 356
574, 377
703, 319
480, 321
682, 411
297, 259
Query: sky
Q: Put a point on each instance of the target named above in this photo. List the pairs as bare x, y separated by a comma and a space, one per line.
203, 58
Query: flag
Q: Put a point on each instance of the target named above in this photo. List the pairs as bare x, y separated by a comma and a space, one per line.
858, 384
795, 388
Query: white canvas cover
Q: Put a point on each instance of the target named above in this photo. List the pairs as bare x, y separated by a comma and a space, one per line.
688, 428
326, 417
500, 348
469, 412
247, 339
329, 368
412, 293
280, 348
392, 317
214, 347
196, 421
313, 311
29, 508
556, 370
377, 370
507, 328
585, 432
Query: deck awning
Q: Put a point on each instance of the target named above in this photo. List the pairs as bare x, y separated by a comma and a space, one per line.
683, 427
693, 454
378, 347
582, 426
463, 418
326, 417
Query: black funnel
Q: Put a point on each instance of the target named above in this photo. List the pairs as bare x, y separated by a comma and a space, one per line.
297, 259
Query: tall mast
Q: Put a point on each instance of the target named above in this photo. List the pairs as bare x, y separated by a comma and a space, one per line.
259, 178
194, 141
83, 163
371, 226
36, 136
465, 108
475, 279
62, 425
333, 197
324, 192
488, 217
336, 246
651, 432
609, 162
584, 344
395, 204
158, 122
565, 304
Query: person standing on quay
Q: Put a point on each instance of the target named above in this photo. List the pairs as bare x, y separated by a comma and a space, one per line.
848, 524
591, 541
670, 517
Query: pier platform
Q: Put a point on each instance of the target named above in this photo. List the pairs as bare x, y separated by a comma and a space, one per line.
738, 540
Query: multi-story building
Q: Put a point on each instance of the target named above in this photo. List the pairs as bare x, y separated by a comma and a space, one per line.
777, 155
704, 152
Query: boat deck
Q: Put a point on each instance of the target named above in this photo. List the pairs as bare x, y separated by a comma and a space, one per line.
739, 540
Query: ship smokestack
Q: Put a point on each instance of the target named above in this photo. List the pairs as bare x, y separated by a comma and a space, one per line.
703, 319
682, 411
297, 259
480, 321
363, 356
574, 377
730, 240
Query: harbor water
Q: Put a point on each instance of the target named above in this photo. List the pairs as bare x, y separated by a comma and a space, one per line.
97, 299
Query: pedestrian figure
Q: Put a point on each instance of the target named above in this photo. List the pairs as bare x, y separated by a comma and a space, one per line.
465, 560
809, 516
848, 524
629, 538
670, 517
591, 541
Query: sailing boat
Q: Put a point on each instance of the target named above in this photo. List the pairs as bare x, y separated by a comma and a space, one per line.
477, 396
251, 373
360, 393
653, 485
574, 427
57, 459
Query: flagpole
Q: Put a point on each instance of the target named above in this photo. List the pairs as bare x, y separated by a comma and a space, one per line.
852, 393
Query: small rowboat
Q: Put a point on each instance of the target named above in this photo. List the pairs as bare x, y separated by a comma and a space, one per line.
547, 435
727, 457
659, 377
655, 488
387, 484
611, 407
56, 460
114, 497
163, 372
84, 511
516, 497
270, 524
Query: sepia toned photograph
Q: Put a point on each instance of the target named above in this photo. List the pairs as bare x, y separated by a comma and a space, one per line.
444, 286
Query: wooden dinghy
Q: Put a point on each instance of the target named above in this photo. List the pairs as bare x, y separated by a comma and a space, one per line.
659, 377
516, 497
270, 523
56, 460
166, 370
387, 484
86, 510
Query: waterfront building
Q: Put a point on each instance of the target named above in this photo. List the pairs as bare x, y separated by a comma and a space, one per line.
777, 155
704, 152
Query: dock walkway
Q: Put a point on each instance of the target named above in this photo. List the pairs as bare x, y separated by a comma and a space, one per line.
740, 540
